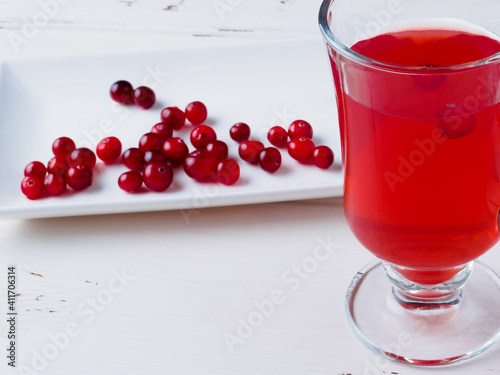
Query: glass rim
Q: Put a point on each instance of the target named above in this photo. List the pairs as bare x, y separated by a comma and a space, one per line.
346, 51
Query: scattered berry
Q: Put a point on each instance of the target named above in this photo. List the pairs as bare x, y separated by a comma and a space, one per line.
201, 136
63, 146
32, 187
302, 150
228, 172
162, 130
79, 177
249, 150
201, 166
154, 155
35, 169
323, 157
83, 156
122, 92
130, 181
150, 141
144, 97
57, 165
270, 159
239, 132
300, 128
175, 150
218, 149
55, 184
173, 117
196, 113
158, 176
109, 149
277, 136
133, 159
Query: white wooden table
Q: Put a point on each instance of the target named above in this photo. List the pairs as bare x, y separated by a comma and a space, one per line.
150, 294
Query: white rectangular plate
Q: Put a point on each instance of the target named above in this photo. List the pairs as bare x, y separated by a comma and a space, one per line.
262, 84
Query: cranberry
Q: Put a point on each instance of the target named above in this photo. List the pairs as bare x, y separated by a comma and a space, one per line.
122, 92
201, 166
249, 150
144, 97
277, 136
35, 169
228, 171
32, 187
109, 149
323, 156
55, 184
158, 176
79, 177
300, 128
150, 141
154, 155
173, 117
175, 150
130, 181
218, 150
302, 149
84, 156
162, 130
57, 165
239, 132
133, 158
455, 122
196, 113
201, 136
63, 146
270, 159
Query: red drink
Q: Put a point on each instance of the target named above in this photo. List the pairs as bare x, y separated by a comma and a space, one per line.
422, 187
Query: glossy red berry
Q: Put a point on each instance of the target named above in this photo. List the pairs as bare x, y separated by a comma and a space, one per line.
109, 149
173, 117
35, 169
228, 172
83, 156
158, 176
57, 165
162, 130
154, 155
79, 177
249, 150
63, 146
323, 156
239, 132
150, 141
133, 159
456, 122
122, 92
300, 128
144, 97
218, 149
32, 187
55, 184
201, 166
302, 150
277, 136
196, 113
270, 159
175, 150
130, 181
201, 136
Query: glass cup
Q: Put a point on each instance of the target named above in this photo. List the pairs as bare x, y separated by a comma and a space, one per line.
421, 160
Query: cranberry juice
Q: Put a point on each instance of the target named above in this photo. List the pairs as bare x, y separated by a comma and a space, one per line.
422, 148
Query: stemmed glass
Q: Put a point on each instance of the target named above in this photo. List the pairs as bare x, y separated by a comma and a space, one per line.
421, 161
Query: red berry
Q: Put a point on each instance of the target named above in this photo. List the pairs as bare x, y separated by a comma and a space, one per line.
173, 117
228, 171
130, 181
300, 128
196, 113
239, 132
302, 150
270, 159
63, 146
162, 130
122, 92
277, 136
32, 187
158, 176
133, 159
200, 166
57, 165
175, 150
79, 177
35, 169
55, 184
455, 122
150, 141
249, 150
323, 156
83, 156
218, 150
201, 136
154, 155
144, 97
109, 149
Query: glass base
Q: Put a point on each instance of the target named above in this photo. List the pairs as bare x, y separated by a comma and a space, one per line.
425, 337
